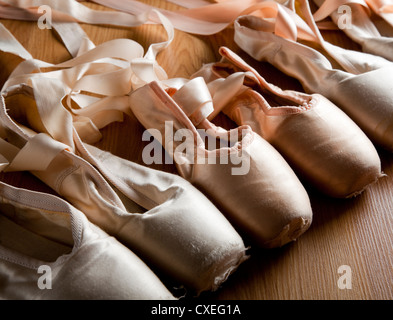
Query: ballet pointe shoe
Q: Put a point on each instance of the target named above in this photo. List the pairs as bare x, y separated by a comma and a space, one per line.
50, 251
182, 231
322, 144
363, 93
170, 225
246, 177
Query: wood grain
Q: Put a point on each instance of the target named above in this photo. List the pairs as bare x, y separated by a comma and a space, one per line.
355, 232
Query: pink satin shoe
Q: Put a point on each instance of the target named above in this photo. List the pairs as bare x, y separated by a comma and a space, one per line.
255, 187
50, 251
362, 91
161, 217
320, 141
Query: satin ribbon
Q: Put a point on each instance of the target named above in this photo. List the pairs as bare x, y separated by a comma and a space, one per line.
382, 8
35, 155
90, 89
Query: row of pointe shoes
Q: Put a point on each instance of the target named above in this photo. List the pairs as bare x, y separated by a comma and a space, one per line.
149, 211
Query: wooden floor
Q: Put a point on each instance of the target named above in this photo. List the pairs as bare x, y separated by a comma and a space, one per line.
349, 240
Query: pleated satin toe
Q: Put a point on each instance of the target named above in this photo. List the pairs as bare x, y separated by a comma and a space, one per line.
246, 177
322, 144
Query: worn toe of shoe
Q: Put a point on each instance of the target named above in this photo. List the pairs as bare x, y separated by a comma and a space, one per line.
267, 204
